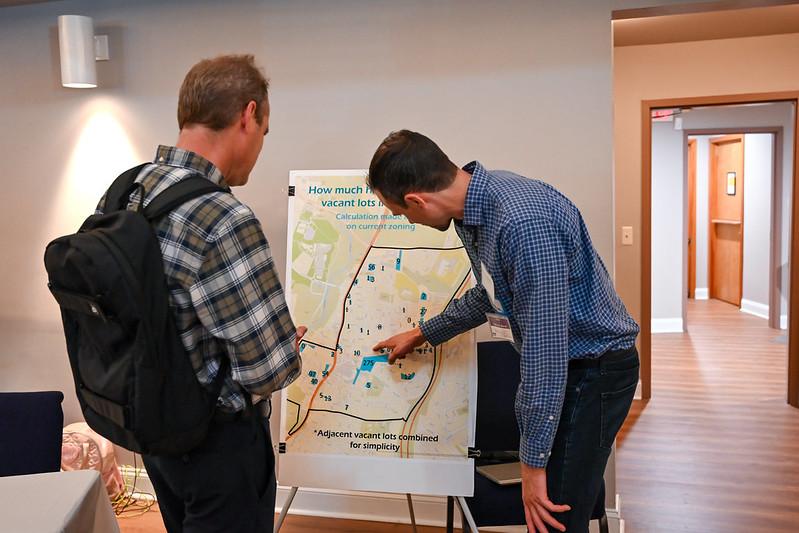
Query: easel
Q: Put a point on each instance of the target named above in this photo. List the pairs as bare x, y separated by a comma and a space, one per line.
466, 517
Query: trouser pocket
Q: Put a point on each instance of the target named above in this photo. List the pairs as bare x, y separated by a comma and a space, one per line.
614, 408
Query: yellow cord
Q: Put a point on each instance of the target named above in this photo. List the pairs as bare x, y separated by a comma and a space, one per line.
125, 505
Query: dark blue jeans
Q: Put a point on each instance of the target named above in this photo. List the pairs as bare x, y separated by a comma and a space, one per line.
598, 397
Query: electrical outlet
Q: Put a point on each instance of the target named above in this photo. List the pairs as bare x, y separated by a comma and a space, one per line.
627, 235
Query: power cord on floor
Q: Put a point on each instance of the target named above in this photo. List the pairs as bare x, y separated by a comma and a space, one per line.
125, 505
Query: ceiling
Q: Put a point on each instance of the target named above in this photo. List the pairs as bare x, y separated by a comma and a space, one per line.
704, 26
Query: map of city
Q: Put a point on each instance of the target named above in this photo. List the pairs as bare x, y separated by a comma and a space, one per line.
357, 275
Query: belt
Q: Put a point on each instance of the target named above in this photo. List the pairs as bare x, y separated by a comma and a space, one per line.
596, 362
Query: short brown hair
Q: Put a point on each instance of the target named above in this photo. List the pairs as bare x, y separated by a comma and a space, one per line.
216, 90
407, 162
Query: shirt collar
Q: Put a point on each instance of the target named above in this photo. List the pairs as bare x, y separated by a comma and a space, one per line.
178, 157
475, 194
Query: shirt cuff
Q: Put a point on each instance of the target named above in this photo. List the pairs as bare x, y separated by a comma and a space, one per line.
435, 331
533, 453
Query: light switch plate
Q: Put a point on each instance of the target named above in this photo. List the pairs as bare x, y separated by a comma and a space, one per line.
627, 235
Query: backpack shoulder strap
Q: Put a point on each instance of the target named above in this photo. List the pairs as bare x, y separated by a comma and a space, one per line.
219, 380
116, 197
179, 193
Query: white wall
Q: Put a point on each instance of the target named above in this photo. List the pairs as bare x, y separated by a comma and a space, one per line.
667, 212
343, 74
758, 172
667, 228
523, 85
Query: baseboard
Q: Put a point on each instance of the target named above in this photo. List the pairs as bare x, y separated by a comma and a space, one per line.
667, 325
701, 294
751, 307
783, 321
375, 506
393, 508
615, 521
137, 481
350, 505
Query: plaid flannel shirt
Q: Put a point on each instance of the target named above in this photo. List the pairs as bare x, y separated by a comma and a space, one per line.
550, 282
224, 291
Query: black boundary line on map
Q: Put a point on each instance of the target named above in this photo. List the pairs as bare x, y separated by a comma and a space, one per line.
358, 417
340, 329
402, 419
436, 353
299, 408
414, 248
296, 427
303, 341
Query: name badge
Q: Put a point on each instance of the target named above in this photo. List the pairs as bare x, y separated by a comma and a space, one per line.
500, 327
498, 321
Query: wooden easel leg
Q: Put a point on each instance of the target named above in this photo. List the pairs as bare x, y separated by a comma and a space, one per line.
410, 510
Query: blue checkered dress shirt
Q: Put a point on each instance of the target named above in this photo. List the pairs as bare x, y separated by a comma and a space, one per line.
551, 283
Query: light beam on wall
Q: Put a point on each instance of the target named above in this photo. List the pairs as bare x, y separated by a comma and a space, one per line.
103, 150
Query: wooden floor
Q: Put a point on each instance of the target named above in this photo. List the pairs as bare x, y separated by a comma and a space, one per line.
716, 449
151, 523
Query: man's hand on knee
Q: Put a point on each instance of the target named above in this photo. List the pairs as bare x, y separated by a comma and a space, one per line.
537, 506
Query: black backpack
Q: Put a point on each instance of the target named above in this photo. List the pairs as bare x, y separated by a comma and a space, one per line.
133, 377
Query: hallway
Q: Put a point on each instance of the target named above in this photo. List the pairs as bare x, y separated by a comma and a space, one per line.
716, 449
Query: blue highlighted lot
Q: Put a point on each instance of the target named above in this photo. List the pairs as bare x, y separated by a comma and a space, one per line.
368, 363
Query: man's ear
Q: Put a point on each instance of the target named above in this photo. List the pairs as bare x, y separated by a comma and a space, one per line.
249, 115
413, 199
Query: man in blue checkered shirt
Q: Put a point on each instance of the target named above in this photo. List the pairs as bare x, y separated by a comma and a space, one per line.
541, 285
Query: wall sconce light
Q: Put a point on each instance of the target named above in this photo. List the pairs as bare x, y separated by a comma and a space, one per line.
79, 49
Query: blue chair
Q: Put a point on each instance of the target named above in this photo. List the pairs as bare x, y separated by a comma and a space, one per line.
31, 424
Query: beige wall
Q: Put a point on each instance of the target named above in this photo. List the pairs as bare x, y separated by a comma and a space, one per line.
704, 68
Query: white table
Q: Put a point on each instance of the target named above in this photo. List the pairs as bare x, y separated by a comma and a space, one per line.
68, 502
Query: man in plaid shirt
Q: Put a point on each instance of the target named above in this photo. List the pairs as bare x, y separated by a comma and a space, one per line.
227, 302
543, 287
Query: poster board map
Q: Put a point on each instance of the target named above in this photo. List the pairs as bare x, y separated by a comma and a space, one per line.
356, 275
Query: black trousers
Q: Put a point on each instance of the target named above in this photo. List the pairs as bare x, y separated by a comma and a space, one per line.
227, 484
598, 397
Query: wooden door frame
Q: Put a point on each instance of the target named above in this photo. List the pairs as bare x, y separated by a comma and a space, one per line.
712, 184
646, 229
691, 224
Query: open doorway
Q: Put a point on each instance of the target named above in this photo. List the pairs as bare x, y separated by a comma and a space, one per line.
721, 180
727, 239
738, 233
